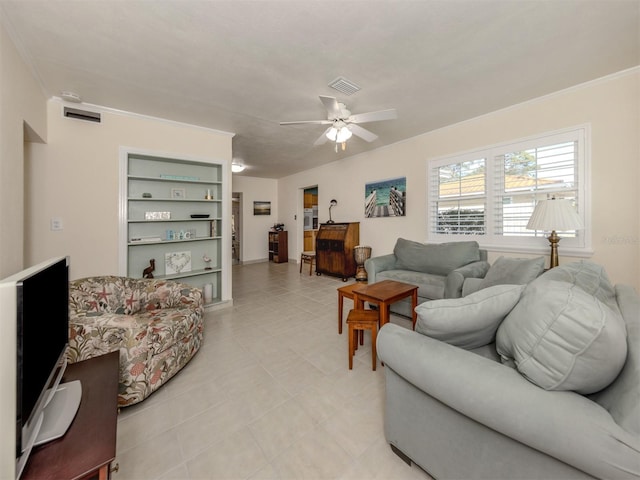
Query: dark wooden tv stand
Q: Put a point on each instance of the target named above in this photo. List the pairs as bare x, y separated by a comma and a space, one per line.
89, 446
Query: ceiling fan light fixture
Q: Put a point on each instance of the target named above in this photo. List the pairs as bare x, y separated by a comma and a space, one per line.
339, 135
237, 168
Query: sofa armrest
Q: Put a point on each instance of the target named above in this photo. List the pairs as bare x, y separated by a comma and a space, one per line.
375, 265
455, 279
563, 425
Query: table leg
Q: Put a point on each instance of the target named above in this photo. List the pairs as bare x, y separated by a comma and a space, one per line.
351, 349
374, 355
358, 304
414, 304
384, 313
340, 298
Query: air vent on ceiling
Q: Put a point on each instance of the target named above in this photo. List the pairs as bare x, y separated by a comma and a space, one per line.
82, 114
345, 86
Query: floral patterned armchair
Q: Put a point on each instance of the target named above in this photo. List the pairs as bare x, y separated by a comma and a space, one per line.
156, 325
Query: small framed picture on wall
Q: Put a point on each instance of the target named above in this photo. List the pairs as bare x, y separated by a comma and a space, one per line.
262, 208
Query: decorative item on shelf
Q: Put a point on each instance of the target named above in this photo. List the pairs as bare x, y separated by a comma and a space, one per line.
361, 254
146, 195
278, 227
551, 215
208, 196
208, 292
145, 239
157, 215
212, 228
170, 235
332, 204
178, 193
207, 261
147, 272
188, 178
177, 262
199, 215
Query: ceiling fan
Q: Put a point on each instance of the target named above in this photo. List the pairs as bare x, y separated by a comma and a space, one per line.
343, 124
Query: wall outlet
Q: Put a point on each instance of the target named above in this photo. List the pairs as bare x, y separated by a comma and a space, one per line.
56, 224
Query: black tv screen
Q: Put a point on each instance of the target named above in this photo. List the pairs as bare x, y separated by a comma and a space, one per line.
43, 332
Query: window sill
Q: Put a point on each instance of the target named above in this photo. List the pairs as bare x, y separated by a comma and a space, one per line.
562, 251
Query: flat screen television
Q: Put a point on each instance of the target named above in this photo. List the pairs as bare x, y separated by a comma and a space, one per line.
34, 331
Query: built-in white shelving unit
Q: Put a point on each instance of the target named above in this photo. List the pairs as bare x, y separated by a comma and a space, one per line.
172, 210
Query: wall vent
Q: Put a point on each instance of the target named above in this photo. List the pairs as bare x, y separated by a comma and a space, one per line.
82, 114
345, 86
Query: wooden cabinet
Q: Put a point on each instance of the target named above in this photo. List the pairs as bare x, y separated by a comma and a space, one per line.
89, 446
334, 249
278, 248
172, 212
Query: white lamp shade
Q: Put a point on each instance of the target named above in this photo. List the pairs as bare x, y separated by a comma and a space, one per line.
555, 215
237, 168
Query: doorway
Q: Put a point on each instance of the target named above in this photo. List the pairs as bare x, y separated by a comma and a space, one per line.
310, 223
236, 228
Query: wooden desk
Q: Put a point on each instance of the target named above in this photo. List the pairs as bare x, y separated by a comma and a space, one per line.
89, 446
385, 293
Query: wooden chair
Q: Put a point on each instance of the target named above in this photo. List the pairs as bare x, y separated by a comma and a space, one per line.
308, 257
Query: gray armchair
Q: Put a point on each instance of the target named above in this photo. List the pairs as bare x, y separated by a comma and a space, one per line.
439, 270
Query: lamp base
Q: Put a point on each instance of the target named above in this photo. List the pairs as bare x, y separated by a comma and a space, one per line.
554, 239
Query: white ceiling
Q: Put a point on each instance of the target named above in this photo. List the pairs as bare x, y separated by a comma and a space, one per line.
244, 66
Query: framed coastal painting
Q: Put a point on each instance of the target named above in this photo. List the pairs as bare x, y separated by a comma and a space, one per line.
385, 198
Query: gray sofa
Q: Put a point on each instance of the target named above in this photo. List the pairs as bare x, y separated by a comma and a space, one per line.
493, 409
439, 270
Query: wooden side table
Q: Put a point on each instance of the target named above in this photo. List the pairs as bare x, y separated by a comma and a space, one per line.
385, 293
358, 321
346, 291
89, 446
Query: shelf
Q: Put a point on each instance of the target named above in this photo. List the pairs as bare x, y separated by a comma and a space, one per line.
192, 273
180, 200
175, 220
200, 239
191, 181
173, 180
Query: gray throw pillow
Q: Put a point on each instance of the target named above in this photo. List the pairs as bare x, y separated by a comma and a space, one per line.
468, 322
513, 271
562, 338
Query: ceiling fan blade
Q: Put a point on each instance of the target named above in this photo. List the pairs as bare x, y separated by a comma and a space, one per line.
301, 122
390, 114
362, 132
331, 104
322, 138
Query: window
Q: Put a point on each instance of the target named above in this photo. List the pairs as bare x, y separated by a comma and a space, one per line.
490, 194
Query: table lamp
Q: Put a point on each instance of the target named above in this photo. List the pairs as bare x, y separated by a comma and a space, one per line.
552, 215
332, 204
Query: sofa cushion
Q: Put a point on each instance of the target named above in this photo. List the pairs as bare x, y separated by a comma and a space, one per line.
468, 322
435, 258
513, 271
429, 286
589, 276
562, 338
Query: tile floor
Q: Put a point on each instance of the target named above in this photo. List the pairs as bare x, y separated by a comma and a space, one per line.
268, 396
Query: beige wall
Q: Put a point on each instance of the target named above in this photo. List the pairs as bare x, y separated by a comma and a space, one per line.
22, 108
610, 105
254, 241
75, 177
